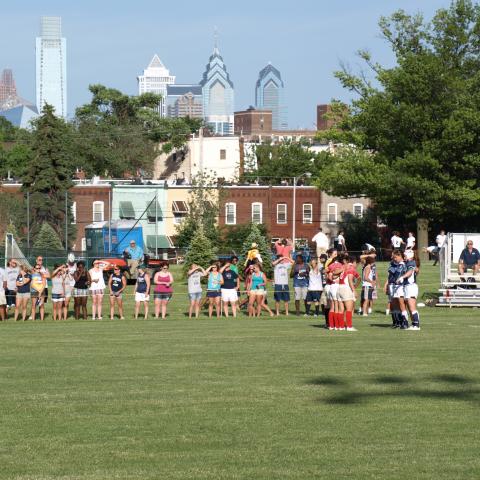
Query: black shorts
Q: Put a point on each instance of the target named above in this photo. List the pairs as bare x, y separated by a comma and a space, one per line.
281, 293
367, 293
313, 296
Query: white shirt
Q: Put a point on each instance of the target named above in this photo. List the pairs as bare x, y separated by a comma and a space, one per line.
12, 274
440, 240
341, 239
97, 275
3, 278
315, 283
410, 242
280, 273
396, 241
321, 240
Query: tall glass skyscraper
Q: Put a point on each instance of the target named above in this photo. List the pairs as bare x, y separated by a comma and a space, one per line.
155, 79
269, 95
218, 95
51, 63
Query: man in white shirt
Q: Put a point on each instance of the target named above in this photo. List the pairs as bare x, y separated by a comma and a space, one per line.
441, 239
322, 242
3, 298
396, 241
410, 241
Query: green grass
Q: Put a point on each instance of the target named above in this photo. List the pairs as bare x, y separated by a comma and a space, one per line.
241, 399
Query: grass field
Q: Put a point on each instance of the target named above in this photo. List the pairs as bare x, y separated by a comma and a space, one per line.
241, 399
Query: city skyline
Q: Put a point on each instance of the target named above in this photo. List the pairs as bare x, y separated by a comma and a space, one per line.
113, 46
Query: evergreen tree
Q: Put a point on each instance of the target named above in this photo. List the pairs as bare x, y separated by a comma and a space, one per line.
47, 239
200, 251
48, 175
263, 245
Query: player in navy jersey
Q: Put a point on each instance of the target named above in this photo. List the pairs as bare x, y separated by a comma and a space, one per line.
410, 287
394, 290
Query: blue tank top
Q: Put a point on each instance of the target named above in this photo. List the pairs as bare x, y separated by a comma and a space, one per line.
141, 284
257, 280
117, 283
214, 281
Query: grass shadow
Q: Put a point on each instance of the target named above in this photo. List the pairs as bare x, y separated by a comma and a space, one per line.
390, 379
381, 325
451, 378
328, 381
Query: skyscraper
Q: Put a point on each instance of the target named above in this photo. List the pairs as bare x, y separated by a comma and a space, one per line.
269, 95
155, 79
51, 63
218, 95
8, 89
184, 101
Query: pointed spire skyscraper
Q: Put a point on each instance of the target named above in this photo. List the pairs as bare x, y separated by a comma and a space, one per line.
218, 94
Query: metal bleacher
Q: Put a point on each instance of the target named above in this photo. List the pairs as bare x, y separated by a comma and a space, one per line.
458, 290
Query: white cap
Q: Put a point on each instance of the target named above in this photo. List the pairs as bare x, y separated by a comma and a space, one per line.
71, 258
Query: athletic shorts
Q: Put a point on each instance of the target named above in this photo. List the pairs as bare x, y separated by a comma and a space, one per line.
332, 291
161, 296
411, 290
142, 297
58, 297
314, 295
229, 295
281, 293
300, 293
345, 293
214, 294
367, 293
196, 296
3, 298
398, 291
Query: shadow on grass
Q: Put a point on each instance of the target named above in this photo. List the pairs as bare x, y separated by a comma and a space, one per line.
434, 387
318, 325
382, 325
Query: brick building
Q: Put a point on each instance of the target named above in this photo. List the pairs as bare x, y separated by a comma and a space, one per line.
253, 122
322, 122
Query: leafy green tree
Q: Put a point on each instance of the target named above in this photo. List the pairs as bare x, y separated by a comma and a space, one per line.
413, 133
47, 239
202, 210
12, 212
233, 237
200, 251
48, 175
359, 231
263, 245
15, 160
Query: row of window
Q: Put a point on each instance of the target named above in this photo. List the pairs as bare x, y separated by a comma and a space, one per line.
307, 213
98, 209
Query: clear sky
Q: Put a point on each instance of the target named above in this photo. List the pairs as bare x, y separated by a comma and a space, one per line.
112, 41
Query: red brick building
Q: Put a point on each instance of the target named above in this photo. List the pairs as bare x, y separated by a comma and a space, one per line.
322, 122
253, 122
273, 206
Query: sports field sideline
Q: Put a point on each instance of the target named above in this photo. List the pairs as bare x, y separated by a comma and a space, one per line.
241, 398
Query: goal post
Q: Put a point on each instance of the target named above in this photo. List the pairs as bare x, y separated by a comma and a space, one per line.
12, 250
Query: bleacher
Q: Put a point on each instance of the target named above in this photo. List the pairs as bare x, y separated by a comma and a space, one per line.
458, 290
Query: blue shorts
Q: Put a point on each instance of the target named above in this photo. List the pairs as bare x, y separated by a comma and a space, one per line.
313, 296
213, 293
162, 296
195, 296
281, 293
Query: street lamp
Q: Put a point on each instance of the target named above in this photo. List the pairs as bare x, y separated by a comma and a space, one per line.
294, 215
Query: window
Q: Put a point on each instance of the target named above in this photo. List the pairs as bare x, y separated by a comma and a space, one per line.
84, 244
154, 212
223, 154
307, 213
230, 213
127, 212
358, 210
332, 213
281, 213
180, 211
257, 212
74, 213
98, 209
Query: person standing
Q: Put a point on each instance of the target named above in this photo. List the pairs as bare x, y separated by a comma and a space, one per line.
231, 284
116, 284
322, 242
346, 291
396, 241
163, 291
281, 291
315, 287
58, 291
97, 288
410, 241
300, 273
3, 297
134, 255
80, 291
46, 275
69, 271
194, 278
341, 243
23, 292
369, 282
410, 287
258, 292
214, 284
142, 291
37, 287
440, 240
12, 272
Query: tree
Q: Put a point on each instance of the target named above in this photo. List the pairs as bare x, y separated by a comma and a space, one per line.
48, 175
47, 239
413, 134
200, 251
359, 230
274, 164
263, 245
202, 210
234, 237
12, 212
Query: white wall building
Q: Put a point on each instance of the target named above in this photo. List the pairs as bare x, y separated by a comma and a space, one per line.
219, 156
51, 66
155, 79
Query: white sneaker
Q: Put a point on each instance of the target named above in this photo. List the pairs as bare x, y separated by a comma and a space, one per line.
351, 329
413, 327
365, 315
331, 328
387, 312
369, 310
359, 311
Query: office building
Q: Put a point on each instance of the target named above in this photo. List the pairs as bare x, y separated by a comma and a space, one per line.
184, 101
269, 95
218, 95
155, 79
253, 122
51, 66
